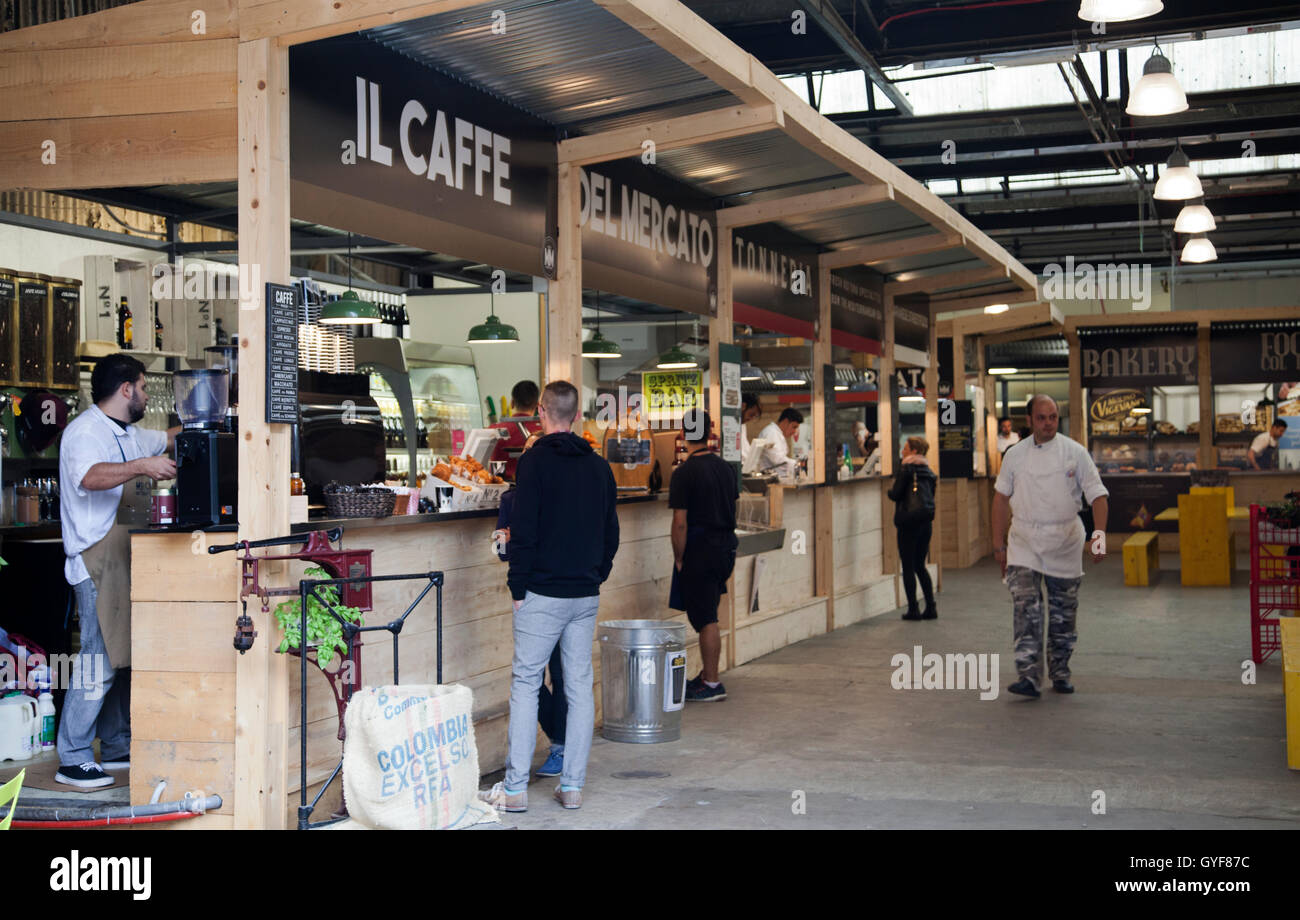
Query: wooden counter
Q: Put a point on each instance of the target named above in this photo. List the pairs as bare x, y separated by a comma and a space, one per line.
183, 694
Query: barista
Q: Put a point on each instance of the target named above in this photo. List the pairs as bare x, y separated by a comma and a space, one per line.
776, 455
522, 423
101, 451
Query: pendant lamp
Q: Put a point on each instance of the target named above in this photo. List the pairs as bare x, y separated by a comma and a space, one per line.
1178, 182
1195, 217
1158, 92
788, 378
492, 330
749, 372
1118, 10
350, 309
1199, 249
676, 358
598, 346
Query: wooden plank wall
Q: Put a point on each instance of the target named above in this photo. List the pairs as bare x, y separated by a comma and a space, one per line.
965, 508
183, 673
862, 586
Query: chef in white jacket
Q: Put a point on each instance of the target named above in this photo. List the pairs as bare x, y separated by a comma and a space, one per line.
749, 411
1039, 486
775, 457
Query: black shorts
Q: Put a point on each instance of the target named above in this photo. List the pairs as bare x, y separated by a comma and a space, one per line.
705, 570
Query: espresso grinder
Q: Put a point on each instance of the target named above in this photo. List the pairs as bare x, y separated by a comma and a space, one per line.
207, 473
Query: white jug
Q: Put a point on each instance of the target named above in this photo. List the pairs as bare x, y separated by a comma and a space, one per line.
20, 728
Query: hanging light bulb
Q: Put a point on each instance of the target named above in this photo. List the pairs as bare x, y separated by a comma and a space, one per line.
350, 309
1178, 182
1199, 249
1118, 10
1158, 92
492, 330
1195, 217
788, 378
676, 358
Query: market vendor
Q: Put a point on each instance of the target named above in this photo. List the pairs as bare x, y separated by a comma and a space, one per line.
518, 426
1263, 450
102, 450
775, 456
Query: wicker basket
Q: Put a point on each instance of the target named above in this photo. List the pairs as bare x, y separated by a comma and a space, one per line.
360, 504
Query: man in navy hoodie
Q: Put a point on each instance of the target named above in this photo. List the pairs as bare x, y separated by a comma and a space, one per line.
563, 537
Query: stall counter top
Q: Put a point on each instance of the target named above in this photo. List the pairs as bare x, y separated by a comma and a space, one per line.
393, 520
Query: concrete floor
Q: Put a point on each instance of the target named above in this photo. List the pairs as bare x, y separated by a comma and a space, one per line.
1161, 723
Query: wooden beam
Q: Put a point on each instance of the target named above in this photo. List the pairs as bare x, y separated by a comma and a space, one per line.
895, 249
671, 133
135, 80
884, 388
1205, 392
126, 150
564, 305
821, 355
292, 22
694, 41
835, 199
1179, 317
142, 23
984, 300
1017, 318
932, 436
932, 283
722, 332
262, 686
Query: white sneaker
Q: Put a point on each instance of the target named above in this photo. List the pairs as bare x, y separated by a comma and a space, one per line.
498, 799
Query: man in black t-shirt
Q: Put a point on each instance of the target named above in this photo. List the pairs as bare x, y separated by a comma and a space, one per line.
702, 494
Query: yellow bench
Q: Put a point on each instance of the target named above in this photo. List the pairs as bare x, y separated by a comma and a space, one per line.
1289, 627
1141, 557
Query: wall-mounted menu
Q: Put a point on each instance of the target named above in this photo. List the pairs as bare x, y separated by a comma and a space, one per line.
281, 354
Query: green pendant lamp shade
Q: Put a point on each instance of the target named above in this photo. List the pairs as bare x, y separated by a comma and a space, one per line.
349, 310
492, 329
598, 346
676, 359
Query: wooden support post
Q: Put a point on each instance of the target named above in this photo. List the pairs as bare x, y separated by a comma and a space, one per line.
722, 332
823, 515
1205, 449
564, 304
932, 436
884, 392
1077, 431
261, 675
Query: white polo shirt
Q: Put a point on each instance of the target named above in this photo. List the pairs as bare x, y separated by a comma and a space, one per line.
1044, 483
88, 515
1263, 442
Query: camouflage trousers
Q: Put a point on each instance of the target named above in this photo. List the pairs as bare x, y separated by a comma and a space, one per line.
1062, 604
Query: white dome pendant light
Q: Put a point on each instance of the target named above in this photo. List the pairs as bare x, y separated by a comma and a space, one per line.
1118, 10
1158, 92
1199, 249
1178, 182
1195, 217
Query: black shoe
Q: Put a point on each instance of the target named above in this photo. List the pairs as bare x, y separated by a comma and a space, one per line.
1024, 687
1062, 686
913, 612
931, 612
706, 694
86, 776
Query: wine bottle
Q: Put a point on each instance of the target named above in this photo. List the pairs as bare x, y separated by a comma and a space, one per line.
157, 329
126, 330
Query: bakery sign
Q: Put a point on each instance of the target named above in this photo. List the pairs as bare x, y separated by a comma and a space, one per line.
1138, 360
1116, 405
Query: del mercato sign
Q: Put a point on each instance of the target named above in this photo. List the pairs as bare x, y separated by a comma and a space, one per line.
1138, 360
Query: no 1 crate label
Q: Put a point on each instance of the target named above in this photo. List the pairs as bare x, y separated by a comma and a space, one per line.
281, 355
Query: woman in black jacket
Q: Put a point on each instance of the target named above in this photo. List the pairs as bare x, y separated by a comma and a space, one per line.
913, 496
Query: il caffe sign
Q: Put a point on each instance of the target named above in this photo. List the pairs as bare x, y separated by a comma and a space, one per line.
1255, 352
1138, 360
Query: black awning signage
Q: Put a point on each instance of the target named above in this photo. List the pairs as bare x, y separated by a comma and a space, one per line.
655, 236
1138, 360
369, 123
775, 270
1255, 353
912, 322
857, 309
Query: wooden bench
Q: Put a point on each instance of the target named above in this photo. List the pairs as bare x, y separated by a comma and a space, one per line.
1141, 557
1289, 628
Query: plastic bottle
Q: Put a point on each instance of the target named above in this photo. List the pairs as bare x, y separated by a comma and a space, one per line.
45, 709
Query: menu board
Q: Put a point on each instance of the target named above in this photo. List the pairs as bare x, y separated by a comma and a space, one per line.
635, 451
281, 354
729, 358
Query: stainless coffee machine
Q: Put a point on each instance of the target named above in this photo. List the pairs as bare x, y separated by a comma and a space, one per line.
207, 472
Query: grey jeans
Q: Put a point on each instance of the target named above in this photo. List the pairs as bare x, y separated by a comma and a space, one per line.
99, 700
539, 623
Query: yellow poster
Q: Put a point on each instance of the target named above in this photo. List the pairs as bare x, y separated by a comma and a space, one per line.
668, 394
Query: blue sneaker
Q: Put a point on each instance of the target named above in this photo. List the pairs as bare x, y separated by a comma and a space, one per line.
554, 765
703, 693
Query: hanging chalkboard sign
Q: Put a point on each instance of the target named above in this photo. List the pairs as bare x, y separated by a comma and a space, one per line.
281, 354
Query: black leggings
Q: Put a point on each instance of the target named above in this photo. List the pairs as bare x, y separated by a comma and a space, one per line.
913, 546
